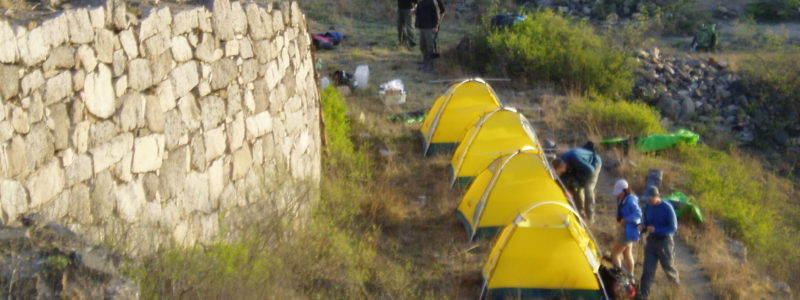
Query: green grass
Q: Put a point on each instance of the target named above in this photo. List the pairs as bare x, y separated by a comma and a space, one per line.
607, 118
774, 10
549, 47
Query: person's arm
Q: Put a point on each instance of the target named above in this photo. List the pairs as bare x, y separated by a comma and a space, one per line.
631, 212
441, 8
672, 224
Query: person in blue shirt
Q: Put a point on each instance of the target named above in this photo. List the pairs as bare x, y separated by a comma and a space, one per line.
629, 216
660, 223
579, 169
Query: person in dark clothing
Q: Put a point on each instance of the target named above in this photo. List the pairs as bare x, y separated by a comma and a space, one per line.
405, 31
579, 169
660, 223
436, 54
428, 25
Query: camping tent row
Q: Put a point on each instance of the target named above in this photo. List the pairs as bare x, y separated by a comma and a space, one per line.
543, 249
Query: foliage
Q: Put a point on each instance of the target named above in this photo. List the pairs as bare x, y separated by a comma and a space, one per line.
57, 262
341, 153
774, 10
609, 118
549, 47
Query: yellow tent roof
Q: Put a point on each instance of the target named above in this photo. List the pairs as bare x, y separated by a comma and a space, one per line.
452, 113
545, 252
508, 186
500, 132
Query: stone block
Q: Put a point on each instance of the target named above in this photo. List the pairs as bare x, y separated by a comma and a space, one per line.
60, 58
249, 101
190, 113
236, 131
181, 50
195, 196
121, 85
129, 43
9, 75
296, 15
58, 113
46, 183
204, 21
263, 51
213, 112
122, 169
103, 187
78, 79
132, 115
80, 26
208, 50
17, 159
32, 47
231, 48
246, 48
174, 133
258, 20
8, 43
173, 171
204, 88
223, 72
20, 120
140, 77
80, 204
80, 137
35, 107
6, 131
249, 71
104, 45
148, 153
98, 94
258, 152
154, 114
215, 143
242, 160
234, 101
277, 21
166, 95
130, 200
120, 63
258, 125
98, 17
184, 21
102, 132
222, 20
185, 77
157, 20
161, 66
40, 144
238, 18
112, 152
58, 87
32, 82
157, 44
14, 198
80, 170
216, 179
198, 152
261, 95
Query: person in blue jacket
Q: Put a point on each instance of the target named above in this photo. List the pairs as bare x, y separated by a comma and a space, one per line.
661, 224
579, 169
629, 216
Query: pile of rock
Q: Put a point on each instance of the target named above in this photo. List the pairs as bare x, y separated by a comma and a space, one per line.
48, 261
690, 90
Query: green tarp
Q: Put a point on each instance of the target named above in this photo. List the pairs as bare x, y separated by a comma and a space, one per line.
656, 142
684, 207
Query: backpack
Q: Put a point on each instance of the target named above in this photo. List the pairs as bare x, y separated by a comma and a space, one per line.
706, 37
334, 36
322, 42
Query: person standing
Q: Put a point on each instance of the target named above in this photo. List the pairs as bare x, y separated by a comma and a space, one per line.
579, 169
428, 25
436, 54
405, 31
629, 216
661, 224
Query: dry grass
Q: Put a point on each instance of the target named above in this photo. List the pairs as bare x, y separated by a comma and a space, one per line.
14, 4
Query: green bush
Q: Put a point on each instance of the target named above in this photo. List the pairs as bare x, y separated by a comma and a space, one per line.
608, 118
549, 47
774, 10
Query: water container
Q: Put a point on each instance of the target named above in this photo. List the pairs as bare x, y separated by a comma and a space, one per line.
361, 77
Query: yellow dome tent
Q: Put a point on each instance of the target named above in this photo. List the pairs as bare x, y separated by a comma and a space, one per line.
544, 253
500, 132
453, 113
508, 186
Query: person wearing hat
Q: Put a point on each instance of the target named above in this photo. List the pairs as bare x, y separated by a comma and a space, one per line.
629, 216
660, 223
579, 169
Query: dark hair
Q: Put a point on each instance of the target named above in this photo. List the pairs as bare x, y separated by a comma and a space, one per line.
558, 163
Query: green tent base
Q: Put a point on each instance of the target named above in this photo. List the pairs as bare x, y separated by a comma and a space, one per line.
523, 293
483, 232
656, 142
684, 206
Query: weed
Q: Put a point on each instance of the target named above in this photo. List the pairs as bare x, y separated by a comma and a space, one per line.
607, 118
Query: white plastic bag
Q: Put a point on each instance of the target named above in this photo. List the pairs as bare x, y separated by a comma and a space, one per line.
361, 77
324, 82
392, 92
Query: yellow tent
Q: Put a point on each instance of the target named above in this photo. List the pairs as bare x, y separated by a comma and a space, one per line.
500, 132
545, 253
508, 186
452, 114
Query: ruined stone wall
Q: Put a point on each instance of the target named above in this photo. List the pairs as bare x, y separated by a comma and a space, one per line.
150, 125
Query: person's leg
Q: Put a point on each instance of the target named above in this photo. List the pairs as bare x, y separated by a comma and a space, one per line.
409, 30
649, 268
616, 254
426, 46
667, 260
580, 201
401, 26
628, 260
590, 195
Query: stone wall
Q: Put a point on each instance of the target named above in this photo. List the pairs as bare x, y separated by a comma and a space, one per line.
153, 128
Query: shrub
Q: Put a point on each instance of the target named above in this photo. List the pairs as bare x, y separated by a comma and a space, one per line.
609, 118
549, 47
774, 10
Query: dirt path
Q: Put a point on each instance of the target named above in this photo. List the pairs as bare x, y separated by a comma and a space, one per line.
694, 283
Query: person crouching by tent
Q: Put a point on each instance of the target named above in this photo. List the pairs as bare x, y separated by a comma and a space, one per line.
579, 169
629, 216
428, 25
660, 223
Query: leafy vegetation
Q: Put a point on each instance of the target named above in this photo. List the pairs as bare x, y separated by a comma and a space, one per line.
774, 10
608, 118
549, 47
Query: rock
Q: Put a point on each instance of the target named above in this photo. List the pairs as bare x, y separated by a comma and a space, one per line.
58, 87
236, 131
130, 201
32, 47
31, 82
148, 153
238, 18
120, 85
184, 21
78, 78
687, 108
246, 48
155, 21
58, 114
208, 51
669, 106
213, 111
9, 75
214, 143
174, 134
80, 170
216, 179
737, 249
185, 77
112, 152
190, 114
20, 121
129, 43
258, 125
17, 158
8, 48
745, 136
46, 183
40, 144
242, 160
222, 19
173, 171
140, 77
104, 45
59, 58
195, 195
224, 71
157, 44
198, 152
6, 132
154, 114
181, 50
14, 198
132, 115
98, 94
80, 26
